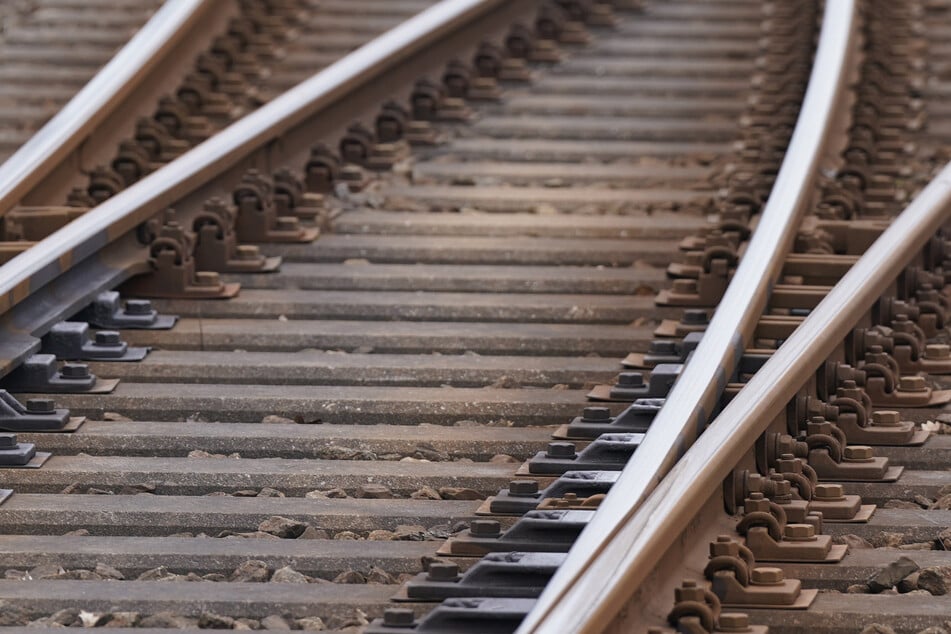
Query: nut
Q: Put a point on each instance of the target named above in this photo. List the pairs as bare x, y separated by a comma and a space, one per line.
443, 571
886, 418
799, 532
858, 453
630, 379
523, 487
485, 528
561, 450
733, 622
937, 351
912, 384
682, 286
107, 338
828, 492
398, 617
595, 414
767, 576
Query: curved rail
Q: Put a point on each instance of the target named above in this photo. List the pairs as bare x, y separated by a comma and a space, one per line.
598, 576
98, 99
124, 211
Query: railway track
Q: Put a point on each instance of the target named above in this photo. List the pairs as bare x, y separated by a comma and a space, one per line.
333, 421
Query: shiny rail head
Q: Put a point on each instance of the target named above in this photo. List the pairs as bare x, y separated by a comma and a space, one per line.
597, 578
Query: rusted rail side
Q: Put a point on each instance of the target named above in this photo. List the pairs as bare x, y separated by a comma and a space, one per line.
593, 583
99, 98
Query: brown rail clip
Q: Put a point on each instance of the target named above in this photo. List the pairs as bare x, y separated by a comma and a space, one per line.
739, 583
257, 219
216, 245
770, 538
174, 273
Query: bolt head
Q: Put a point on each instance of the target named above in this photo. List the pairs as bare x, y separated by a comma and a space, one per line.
684, 286
398, 617
75, 370
247, 252
799, 532
523, 487
207, 278
694, 317
108, 338
561, 450
485, 528
40, 406
888, 418
138, 307
937, 351
733, 622
858, 453
630, 379
767, 576
662, 346
596, 414
828, 492
912, 384
443, 571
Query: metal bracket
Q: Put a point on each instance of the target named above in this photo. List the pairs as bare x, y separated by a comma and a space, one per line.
40, 374
514, 574
609, 452
536, 531
70, 340
16, 454
630, 385
664, 351
523, 496
107, 311
39, 414
596, 421
486, 615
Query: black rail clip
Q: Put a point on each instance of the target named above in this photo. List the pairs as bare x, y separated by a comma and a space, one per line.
107, 311
70, 340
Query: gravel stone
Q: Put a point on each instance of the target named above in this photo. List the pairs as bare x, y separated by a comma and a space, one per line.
409, 533
245, 493
346, 535
374, 492
315, 495
936, 580
942, 503
335, 493
274, 419
890, 575
457, 493
857, 588
425, 493
917, 546
283, 527
908, 584
245, 623
886, 539
378, 575
168, 620
119, 619
310, 624
212, 621
215, 577
251, 570
900, 504
877, 628
504, 458
923, 502
312, 532
16, 575
380, 536
268, 492
108, 572
156, 574
350, 576
274, 622
46, 571
288, 575
854, 542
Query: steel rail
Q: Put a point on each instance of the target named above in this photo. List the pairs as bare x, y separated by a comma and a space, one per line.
98, 99
598, 575
119, 214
